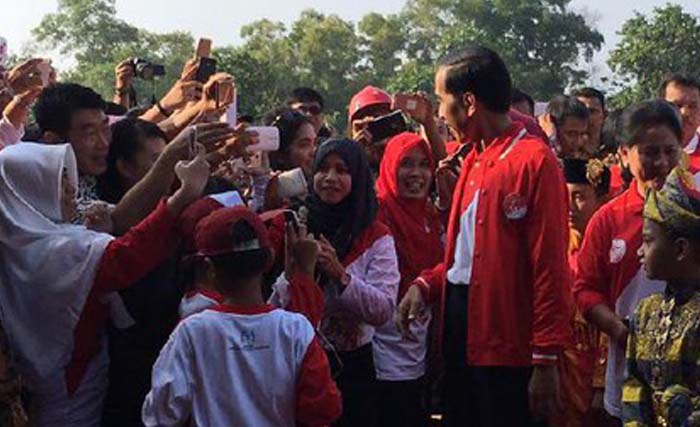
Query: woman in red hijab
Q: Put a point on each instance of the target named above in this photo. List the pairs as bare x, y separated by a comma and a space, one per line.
403, 186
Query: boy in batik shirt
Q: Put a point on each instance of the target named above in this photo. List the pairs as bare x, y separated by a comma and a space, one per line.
663, 350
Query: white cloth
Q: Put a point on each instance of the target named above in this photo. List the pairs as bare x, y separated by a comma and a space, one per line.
229, 369
47, 266
399, 359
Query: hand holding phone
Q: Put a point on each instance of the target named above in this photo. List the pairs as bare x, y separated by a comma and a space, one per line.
206, 69
387, 126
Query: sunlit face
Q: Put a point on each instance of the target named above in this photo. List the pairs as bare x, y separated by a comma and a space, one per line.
687, 99
332, 180
69, 204
583, 203
414, 175
303, 148
452, 108
595, 122
572, 136
90, 136
655, 153
657, 254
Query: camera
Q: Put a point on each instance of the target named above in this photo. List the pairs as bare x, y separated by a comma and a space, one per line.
147, 70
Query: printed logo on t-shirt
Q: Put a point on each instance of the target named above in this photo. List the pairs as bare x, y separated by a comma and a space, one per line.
515, 206
618, 249
248, 343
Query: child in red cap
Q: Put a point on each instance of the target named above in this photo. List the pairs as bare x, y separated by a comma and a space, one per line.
242, 362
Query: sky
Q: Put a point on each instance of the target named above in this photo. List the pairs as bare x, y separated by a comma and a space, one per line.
221, 20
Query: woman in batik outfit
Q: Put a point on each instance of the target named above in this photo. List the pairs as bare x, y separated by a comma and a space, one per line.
663, 351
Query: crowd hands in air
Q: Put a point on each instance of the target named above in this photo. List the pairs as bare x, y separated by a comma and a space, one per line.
469, 261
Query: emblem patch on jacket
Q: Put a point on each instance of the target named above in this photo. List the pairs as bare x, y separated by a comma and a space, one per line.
515, 206
618, 249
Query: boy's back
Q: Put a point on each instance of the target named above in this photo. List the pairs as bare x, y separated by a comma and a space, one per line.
242, 366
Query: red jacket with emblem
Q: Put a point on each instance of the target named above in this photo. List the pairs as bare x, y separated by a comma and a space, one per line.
507, 234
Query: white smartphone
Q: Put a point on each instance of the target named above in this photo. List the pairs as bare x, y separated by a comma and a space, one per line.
268, 138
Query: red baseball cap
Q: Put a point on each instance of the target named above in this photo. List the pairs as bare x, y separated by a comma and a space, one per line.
201, 208
368, 96
215, 233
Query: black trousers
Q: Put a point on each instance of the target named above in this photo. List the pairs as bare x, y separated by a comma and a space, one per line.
402, 403
357, 382
479, 396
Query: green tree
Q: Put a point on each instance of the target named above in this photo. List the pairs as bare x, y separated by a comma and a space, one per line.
650, 47
540, 40
90, 32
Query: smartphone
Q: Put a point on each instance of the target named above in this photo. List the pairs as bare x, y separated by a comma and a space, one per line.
207, 68
268, 138
203, 48
225, 93
409, 104
387, 126
44, 68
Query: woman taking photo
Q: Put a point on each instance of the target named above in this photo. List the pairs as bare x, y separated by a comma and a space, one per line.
356, 271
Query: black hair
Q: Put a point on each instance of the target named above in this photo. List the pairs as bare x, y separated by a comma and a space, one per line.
288, 122
305, 94
518, 95
589, 92
680, 79
127, 137
481, 71
562, 107
646, 114
57, 103
245, 264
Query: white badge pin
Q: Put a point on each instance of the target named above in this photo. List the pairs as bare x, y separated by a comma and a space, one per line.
618, 249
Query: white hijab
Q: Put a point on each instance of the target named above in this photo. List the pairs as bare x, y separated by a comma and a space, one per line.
47, 266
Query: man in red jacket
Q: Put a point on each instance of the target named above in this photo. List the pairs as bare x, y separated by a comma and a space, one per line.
504, 283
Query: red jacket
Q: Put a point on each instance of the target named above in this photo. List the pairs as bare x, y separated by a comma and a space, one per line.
509, 211
125, 261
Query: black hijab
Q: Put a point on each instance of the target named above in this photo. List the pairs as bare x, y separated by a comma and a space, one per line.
342, 223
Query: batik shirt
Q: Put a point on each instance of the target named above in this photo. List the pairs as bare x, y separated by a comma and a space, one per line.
663, 361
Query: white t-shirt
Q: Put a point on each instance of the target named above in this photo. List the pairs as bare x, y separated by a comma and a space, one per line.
224, 367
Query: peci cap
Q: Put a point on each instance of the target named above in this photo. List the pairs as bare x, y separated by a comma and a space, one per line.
368, 96
215, 234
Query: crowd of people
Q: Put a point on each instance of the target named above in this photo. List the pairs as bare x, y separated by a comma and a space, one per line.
449, 260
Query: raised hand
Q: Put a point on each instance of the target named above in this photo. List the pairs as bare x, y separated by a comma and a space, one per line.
124, 72
182, 92
25, 77
301, 251
210, 135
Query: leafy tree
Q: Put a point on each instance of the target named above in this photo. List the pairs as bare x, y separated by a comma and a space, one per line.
668, 41
90, 33
540, 40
